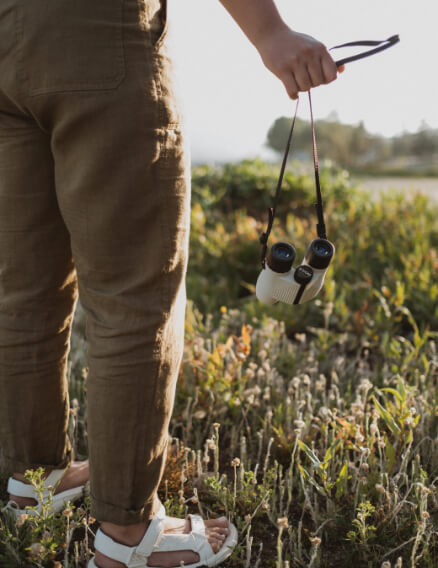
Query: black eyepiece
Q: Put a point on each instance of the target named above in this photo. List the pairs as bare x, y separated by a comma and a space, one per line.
320, 253
281, 257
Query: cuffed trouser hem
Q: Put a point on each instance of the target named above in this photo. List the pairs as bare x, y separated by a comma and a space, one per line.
10, 465
106, 512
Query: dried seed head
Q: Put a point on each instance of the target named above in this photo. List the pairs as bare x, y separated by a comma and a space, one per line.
316, 541
295, 382
380, 488
409, 421
235, 462
319, 386
247, 519
283, 523
306, 380
67, 512
37, 549
263, 354
365, 385
425, 515
324, 411
386, 564
22, 519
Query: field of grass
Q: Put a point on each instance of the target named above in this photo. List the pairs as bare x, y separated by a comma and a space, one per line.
425, 185
314, 428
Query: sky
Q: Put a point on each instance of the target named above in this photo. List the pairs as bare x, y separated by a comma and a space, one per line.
230, 99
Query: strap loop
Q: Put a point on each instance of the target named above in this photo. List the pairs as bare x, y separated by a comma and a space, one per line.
380, 46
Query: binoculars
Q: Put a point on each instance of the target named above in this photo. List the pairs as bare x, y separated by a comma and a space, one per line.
280, 282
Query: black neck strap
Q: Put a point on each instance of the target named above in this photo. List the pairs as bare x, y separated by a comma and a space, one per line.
320, 227
378, 46
271, 211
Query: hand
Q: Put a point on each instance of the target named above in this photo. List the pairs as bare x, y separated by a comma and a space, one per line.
298, 60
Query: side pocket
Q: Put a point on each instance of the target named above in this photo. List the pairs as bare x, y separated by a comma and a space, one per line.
8, 31
71, 45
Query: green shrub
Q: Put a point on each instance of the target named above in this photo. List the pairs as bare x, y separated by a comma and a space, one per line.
386, 250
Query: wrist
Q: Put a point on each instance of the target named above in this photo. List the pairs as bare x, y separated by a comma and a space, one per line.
268, 30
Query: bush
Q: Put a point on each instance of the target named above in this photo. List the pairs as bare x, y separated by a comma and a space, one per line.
385, 261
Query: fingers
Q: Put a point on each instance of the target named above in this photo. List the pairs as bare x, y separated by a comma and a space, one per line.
316, 72
291, 85
304, 78
329, 69
310, 69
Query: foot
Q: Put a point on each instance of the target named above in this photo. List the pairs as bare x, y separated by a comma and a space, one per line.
216, 531
75, 476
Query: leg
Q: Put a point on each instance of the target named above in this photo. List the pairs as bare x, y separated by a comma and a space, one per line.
38, 295
122, 187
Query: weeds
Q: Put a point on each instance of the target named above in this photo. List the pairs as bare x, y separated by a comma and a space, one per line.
313, 428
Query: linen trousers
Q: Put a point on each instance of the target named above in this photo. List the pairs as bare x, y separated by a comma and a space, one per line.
94, 203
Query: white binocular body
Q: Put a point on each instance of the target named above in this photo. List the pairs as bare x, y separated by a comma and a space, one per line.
280, 282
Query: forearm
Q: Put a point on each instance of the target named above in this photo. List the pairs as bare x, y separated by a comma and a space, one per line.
256, 18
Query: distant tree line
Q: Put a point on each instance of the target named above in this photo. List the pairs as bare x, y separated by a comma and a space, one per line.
352, 147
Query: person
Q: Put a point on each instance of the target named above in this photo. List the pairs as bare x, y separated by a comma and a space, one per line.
94, 203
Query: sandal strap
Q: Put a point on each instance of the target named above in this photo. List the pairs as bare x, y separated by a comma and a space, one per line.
196, 540
21, 489
132, 556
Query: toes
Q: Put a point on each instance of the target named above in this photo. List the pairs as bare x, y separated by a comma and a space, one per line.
216, 545
216, 536
221, 522
216, 540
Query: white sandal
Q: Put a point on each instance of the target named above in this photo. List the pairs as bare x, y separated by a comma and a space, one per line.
156, 540
59, 500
